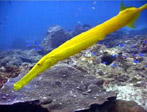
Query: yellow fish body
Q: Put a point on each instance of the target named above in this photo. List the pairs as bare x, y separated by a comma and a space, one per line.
126, 17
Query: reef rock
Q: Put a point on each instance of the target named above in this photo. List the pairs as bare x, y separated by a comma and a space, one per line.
62, 88
118, 70
126, 106
7, 72
17, 57
81, 28
56, 35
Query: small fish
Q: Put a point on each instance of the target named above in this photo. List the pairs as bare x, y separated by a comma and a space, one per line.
37, 48
136, 61
125, 57
9, 49
140, 54
105, 62
93, 7
29, 45
114, 65
36, 43
115, 55
145, 42
133, 54
121, 45
132, 46
27, 41
126, 17
94, 53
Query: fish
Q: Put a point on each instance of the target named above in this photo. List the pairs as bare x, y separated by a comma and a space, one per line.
35, 43
114, 65
121, 45
126, 17
105, 62
145, 42
140, 54
115, 55
136, 61
94, 53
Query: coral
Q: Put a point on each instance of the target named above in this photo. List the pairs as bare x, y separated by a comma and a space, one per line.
119, 65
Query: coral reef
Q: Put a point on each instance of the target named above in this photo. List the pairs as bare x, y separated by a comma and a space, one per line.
85, 82
117, 72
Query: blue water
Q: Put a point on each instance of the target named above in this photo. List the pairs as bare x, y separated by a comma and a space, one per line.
29, 20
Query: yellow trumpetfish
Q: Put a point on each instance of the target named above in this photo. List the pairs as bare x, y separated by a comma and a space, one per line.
126, 17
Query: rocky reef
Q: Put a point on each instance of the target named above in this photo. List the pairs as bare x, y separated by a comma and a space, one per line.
56, 35
110, 76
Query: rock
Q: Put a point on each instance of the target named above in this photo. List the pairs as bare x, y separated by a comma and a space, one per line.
126, 106
142, 31
31, 106
125, 73
17, 57
7, 72
56, 35
130, 93
81, 28
107, 58
61, 88
134, 41
114, 39
118, 77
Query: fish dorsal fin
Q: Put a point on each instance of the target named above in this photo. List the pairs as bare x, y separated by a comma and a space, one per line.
122, 7
131, 24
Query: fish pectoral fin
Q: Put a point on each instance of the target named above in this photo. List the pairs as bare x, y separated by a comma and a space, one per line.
123, 7
132, 23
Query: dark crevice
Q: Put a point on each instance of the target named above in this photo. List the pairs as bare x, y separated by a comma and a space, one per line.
107, 59
23, 107
105, 107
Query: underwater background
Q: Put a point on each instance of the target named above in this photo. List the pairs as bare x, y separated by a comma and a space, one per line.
29, 20
110, 76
